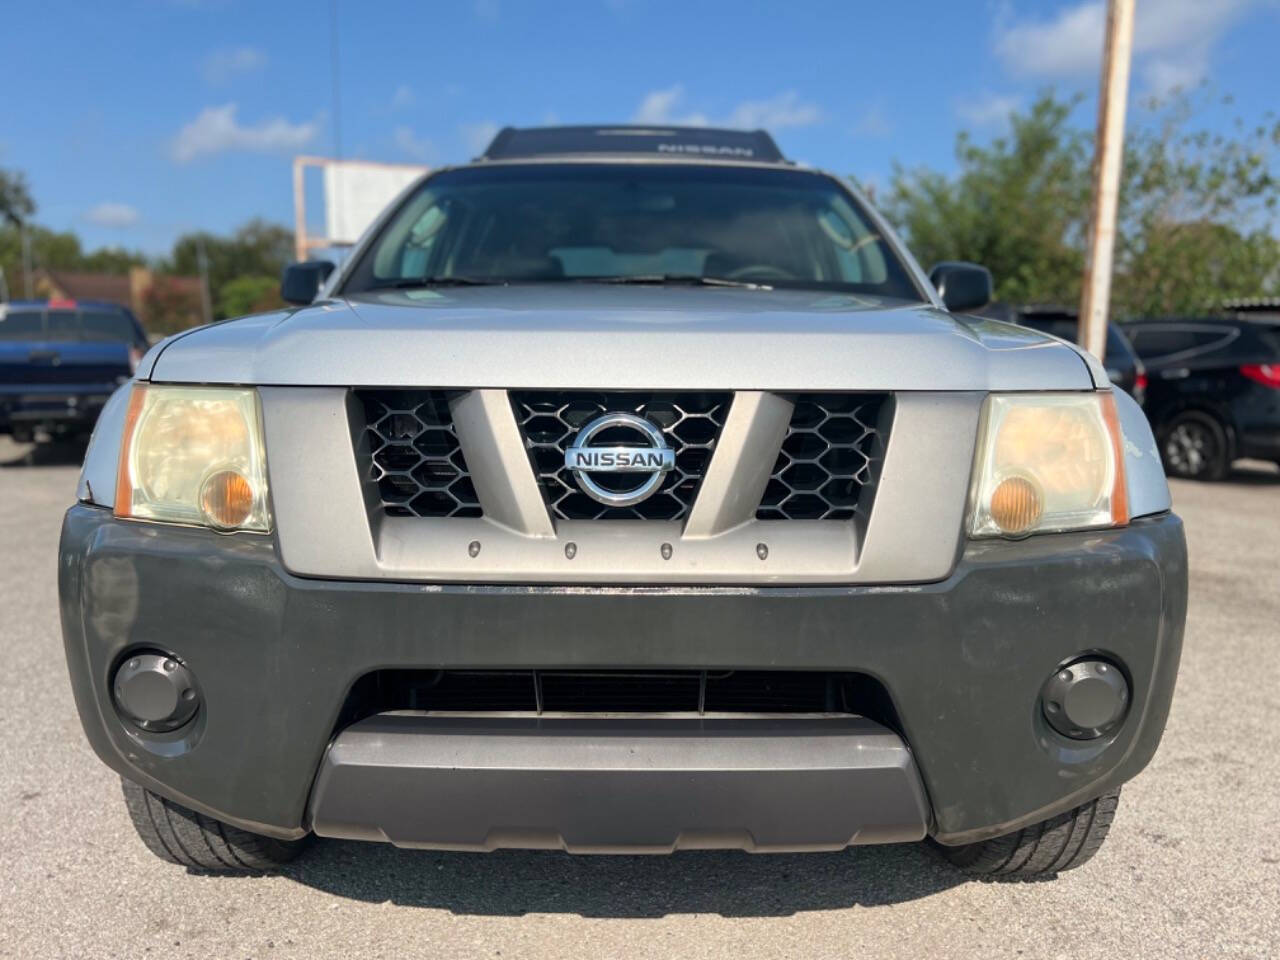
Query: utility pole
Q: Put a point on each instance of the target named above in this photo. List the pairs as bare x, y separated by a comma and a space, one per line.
206, 305
1108, 155
26, 261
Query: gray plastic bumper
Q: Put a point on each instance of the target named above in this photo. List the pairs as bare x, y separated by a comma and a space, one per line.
613, 785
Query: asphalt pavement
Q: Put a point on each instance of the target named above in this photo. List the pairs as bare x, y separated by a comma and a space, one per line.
1192, 867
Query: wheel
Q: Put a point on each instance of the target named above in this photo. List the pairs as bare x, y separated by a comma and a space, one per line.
1060, 843
1194, 446
174, 833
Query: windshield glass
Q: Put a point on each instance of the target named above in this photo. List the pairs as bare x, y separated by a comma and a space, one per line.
578, 222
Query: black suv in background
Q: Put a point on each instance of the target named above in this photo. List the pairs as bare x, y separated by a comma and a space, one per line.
59, 362
1214, 391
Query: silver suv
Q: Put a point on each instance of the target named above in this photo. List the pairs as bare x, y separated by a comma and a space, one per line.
625, 490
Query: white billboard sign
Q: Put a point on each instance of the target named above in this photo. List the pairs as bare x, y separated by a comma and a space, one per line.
355, 192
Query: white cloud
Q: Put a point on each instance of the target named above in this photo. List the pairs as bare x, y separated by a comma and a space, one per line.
1172, 40
222, 66
408, 143
659, 106
873, 123
216, 130
666, 106
776, 113
477, 135
988, 109
111, 215
403, 97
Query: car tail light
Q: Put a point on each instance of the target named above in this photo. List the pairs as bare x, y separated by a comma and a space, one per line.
1267, 374
1140, 383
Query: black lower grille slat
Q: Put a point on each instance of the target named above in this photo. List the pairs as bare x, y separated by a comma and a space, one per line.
608, 691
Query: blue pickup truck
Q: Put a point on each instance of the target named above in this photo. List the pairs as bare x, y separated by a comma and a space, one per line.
59, 361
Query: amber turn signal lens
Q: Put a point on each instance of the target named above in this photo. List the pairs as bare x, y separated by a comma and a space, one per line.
1016, 505
226, 499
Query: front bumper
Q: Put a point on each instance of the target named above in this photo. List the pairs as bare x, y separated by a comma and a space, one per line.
962, 659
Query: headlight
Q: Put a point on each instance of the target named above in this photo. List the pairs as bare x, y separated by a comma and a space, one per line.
194, 455
1048, 462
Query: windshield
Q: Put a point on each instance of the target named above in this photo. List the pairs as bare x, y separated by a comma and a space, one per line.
646, 222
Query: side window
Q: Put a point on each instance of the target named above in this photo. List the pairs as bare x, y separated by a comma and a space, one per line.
1179, 342
1153, 342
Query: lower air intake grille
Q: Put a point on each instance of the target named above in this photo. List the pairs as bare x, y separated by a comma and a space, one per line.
608, 691
829, 461
414, 456
549, 421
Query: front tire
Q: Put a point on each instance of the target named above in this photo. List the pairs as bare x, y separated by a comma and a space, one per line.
174, 833
1194, 446
1042, 850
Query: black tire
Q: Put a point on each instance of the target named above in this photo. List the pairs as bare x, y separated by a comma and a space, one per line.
1194, 446
1037, 852
174, 833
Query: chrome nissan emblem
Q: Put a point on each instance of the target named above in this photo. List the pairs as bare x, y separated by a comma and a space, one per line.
651, 457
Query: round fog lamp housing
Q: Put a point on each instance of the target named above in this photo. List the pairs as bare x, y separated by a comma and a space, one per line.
155, 692
1086, 700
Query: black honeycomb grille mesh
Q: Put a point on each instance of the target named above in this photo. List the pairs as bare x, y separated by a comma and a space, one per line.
414, 456
550, 419
829, 460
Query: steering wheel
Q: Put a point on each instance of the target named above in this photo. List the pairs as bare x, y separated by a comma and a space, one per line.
760, 271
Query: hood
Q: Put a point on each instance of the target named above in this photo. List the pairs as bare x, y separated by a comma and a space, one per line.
597, 336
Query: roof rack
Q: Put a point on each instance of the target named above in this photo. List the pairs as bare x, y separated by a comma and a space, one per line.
710, 142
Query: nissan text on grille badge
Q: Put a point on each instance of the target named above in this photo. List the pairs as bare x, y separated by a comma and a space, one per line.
651, 458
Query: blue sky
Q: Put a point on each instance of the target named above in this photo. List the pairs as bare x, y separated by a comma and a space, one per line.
138, 119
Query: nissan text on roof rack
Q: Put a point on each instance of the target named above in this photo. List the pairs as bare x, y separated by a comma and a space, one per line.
626, 490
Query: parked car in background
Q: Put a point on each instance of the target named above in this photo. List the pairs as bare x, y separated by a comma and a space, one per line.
1124, 367
59, 362
1214, 391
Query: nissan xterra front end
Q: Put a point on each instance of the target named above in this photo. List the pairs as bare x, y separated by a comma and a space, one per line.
625, 491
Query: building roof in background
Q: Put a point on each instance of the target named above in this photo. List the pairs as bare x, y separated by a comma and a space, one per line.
114, 288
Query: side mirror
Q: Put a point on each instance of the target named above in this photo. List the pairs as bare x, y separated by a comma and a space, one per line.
962, 286
302, 281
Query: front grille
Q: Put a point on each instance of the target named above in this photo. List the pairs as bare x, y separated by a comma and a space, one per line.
829, 460
549, 421
413, 454
608, 691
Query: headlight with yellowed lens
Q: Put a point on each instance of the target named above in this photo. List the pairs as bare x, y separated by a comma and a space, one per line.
194, 455
1046, 463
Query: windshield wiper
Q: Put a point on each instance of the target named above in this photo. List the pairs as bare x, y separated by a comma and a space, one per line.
674, 279
409, 283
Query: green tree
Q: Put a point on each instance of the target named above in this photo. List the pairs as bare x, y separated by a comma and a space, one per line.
257, 249
1197, 211
1017, 205
16, 205
249, 294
